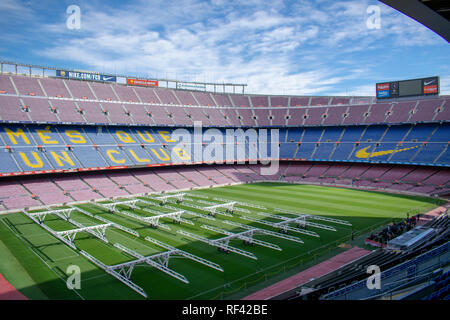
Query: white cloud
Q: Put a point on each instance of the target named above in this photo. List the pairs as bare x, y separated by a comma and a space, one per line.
362, 90
307, 48
13, 6
445, 85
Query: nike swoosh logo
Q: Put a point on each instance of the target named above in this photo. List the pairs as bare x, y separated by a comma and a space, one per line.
366, 155
107, 78
427, 83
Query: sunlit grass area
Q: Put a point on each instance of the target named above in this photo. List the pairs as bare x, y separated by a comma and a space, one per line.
36, 262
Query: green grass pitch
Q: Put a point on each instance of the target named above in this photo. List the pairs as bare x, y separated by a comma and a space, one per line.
35, 262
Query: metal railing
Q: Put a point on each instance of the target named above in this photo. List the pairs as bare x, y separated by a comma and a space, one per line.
47, 71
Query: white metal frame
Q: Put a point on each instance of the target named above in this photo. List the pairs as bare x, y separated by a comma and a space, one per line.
245, 204
315, 217
229, 207
196, 214
264, 231
178, 196
115, 274
97, 231
68, 236
175, 251
219, 244
152, 220
159, 261
112, 206
192, 213
56, 235
246, 236
41, 215
282, 226
113, 224
300, 220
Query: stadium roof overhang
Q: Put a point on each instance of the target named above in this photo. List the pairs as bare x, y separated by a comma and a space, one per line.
434, 14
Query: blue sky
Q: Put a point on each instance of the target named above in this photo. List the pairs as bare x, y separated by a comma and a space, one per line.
276, 47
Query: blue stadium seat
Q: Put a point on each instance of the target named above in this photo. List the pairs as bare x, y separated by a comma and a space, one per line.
100, 136
123, 136
68, 147
287, 150
342, 151
445, 157
396, 133
138, 155
429, 152
312, 134
115, 156
442, 134
352, 134
294, 134
406, 155
73, 135
305, 150
88, 156
420, 132
373, 133
17, 135
283, 135
331, 134
31, 159
62, 158
46, 135
323, 151
8, 163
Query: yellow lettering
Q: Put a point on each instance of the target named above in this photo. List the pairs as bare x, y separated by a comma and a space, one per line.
45, 138
165, 158
165, 136
182, 153
109, 153
75, 136
137, 158
64, 157
149, 137
124, 137
38, 163
17, 134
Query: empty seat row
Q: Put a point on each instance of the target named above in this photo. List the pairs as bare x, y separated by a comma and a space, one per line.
38, 109
113, 102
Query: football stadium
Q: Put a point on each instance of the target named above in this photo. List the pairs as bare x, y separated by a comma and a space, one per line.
128, 187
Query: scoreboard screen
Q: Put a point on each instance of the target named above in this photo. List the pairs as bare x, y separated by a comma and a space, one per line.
408, 88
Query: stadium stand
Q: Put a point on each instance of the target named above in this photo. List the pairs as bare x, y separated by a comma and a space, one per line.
65, 141
323, 110
93, 185
400, 270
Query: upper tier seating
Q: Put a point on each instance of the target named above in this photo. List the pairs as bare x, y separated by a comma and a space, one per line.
121, 104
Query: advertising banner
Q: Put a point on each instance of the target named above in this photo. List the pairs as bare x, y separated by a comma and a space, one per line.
84, 76
191, 86
385, 90
383, 94
142, 82
431, 85
383, 86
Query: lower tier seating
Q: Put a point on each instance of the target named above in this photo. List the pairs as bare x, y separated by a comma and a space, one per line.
48, 189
